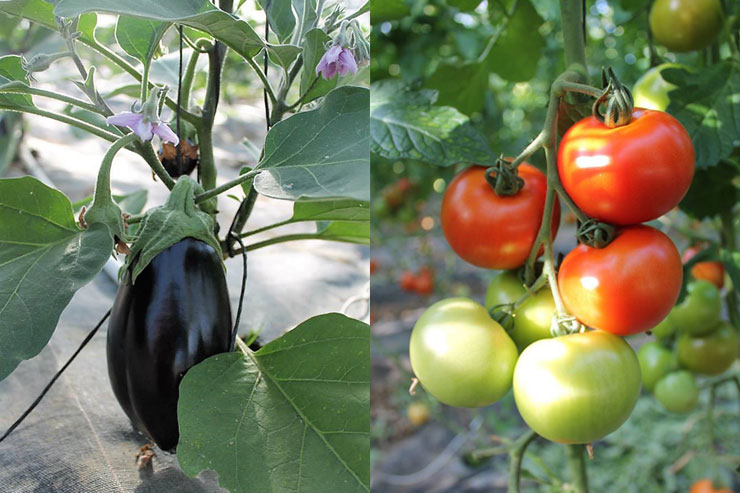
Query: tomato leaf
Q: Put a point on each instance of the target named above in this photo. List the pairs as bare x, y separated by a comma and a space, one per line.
705, 103
712, 191
320, 153
283, 419
405, 125
461, 86
520, 36
44, 259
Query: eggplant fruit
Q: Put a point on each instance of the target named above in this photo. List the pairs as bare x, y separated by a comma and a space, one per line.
174, 316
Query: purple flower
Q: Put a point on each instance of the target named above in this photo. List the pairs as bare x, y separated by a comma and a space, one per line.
143, 127
336, 60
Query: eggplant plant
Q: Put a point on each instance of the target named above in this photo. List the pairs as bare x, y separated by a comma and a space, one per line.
176, 365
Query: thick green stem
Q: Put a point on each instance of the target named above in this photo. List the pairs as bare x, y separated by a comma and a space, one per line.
145, 83
577, 467
18, 87
102, 193
287, 238
516, 457
187, 79
207, 166
226, 186
729, 243
146, 151
574, 43
103, 134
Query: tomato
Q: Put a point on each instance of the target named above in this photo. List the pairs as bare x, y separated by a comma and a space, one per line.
664, 329
710, 354
577, 388
629, 286
491, 231
711, 271
699, 312
655, 362
424, 282
532, 319
418, 413
677, 392
706, 486
373, 266
460, 355
407, 281
651, 90
629, 174
685, 25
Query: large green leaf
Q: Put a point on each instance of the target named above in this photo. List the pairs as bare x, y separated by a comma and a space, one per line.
347, 231
280, 15
712, 191
199, 14
331, 210
294, 416
10, 71
405, 125
517, 51
42, 12
140, 37
320, 153
44, 259
461, 86
707, 105
307, 11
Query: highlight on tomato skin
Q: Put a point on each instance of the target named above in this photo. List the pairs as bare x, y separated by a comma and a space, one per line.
490, 231
627, 287
629, 174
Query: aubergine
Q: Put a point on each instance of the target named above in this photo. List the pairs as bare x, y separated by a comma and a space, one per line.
174, 316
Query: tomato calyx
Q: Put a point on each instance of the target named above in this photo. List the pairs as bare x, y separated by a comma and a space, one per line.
595, 234
617, 101
504, 178
504, 315
565, 324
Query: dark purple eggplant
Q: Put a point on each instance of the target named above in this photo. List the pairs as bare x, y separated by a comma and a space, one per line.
174, 316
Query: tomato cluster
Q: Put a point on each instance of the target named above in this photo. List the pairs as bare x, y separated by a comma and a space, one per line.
579, 387
692, 340
421, 282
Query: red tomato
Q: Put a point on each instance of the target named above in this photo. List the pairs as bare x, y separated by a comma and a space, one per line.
408, 281
629, 286
629, 174
373, 265
713, 272
491, 231
424, 282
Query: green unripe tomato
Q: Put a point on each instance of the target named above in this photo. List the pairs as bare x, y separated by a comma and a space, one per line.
664, 329
460, 355
577, 388
699, 312
710, 354
651, 90
677, 392
685, 25
532, 319
655, 362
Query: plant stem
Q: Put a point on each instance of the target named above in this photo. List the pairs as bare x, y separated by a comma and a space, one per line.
187, 80
574, 42
102, 193
18, 87
729, 243
577, 466
263, 78
146, 151
287, 238
93, 129
226, 186
516, 456
145, 83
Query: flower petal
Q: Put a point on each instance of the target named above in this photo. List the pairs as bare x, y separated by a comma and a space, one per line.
347, 62
143, 130
125, 119
330, 71
332, 54
165, 133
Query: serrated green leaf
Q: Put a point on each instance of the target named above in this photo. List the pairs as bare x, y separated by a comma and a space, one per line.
406, 126
44, 259
520, 36
315, 436
388, 10
712, 191
320, 153
461, 86
706, 104
140, 37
